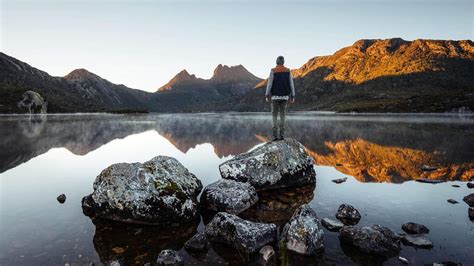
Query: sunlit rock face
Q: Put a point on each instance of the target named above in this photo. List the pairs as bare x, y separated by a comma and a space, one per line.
370, 162
159, 191
276, 164
131, 244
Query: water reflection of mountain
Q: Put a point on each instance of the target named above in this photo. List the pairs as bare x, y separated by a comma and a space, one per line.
370, 150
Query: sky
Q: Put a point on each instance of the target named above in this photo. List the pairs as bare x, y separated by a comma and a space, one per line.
143, 44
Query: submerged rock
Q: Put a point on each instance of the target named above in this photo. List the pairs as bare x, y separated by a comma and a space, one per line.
469, 199
61, 198
348, 214
452, 201
276, 164
169, 257
159, 191
278, 205
332, 225
228, 196
240, 234
197, 243
419, 241
375, 240
303, 233
414, 228
340, 180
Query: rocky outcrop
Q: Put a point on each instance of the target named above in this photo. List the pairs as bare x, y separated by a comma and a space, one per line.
276, 164
303, 233
331, 225
375, 240
228, 196
159, 191
169, 257
419, 241
469, 199
33, 101
414, 228
348, 214
240, 234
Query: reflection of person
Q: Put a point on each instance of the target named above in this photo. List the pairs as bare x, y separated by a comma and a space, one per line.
280, 90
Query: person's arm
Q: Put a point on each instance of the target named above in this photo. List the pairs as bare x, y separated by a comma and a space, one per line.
292, 86
268, 91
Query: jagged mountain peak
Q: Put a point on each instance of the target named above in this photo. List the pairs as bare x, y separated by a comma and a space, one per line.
182, 78
81, 74
237, 73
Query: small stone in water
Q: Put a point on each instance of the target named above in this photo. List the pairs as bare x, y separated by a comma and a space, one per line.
469, 199
470, 185
430, 181
61, 198
339, 180
470, 212
452, 201
403, 260
455, 185
118, 250
332, 225
414, 228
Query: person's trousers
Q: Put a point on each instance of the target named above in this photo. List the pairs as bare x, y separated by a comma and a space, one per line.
278, 108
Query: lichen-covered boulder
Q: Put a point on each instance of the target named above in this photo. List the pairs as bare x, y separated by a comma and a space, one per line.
348, 214
228, 196
158, 192
375, 240
276, 164
303, 233
243, 235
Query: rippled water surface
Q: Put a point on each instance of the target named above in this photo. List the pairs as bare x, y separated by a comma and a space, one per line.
42, 157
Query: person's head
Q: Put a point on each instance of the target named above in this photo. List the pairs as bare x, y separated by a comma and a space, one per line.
280, 60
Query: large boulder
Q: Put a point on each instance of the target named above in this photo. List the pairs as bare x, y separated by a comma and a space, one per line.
228, 196
240, 234
375, 240
276, 164
348, 214
158, 192
303, 233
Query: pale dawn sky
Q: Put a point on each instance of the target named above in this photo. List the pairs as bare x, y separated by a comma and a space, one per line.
143, 44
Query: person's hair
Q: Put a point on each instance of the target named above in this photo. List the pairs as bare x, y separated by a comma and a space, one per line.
280, 60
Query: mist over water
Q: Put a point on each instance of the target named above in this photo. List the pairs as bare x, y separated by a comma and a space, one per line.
44, 156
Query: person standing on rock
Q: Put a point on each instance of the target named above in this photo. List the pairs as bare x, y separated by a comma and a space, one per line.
280, 90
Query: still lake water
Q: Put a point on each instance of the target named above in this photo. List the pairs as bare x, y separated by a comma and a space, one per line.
42, 157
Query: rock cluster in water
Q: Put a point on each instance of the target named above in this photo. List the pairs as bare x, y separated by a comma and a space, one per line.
159, 191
